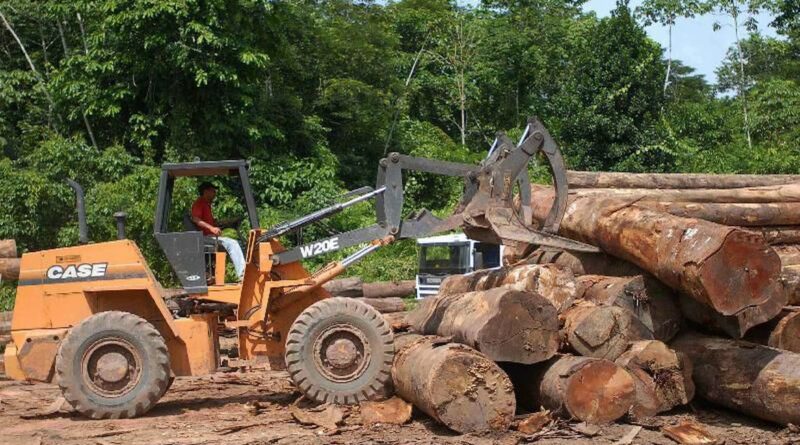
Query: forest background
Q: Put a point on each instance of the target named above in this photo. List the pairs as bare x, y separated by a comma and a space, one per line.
314, 93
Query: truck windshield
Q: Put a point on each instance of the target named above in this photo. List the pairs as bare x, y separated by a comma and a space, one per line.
443, 259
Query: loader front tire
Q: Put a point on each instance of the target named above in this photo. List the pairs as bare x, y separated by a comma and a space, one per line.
340, 350
113, 365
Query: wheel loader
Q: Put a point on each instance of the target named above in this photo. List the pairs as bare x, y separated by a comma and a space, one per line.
94, 319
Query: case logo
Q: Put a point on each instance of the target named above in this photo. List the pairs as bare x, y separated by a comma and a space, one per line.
77, 271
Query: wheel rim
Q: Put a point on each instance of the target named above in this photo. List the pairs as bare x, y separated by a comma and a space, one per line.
341, 353
111, 367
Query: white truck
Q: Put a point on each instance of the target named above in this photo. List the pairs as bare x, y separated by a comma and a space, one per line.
453, 254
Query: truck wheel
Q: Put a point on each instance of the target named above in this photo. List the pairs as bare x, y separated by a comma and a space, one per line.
340, 350
113, 365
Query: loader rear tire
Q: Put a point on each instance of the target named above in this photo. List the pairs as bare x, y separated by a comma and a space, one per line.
113, 365
340, 350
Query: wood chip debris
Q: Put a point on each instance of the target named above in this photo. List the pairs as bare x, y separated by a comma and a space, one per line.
688, 432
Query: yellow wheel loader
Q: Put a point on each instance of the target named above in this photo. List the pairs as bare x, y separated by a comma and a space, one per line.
94, 319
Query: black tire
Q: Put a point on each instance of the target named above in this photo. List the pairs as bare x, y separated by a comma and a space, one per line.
129, 361
361, 331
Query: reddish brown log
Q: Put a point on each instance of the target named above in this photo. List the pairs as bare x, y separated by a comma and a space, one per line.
728, 269
584, 388
504, 324
389, 289
554, 283
778, 234
738, 214
454, 384
386, 305
790, 276
789, 254
708, 320
663, 377
651, 302
9, 269
782, 332
8, 248
350, 287
583, 179
583, 263
397, 321
756, 380
765, 194
601, 331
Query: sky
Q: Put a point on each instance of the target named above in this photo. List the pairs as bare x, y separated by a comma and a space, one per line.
694, 41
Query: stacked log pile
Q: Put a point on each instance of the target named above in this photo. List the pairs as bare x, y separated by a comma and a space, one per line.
598, 336
385, 296
9, 263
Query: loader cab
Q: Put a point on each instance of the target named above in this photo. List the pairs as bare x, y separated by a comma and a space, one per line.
454, 254
187, 250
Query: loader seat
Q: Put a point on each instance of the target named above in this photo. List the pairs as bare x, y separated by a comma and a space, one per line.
210, 244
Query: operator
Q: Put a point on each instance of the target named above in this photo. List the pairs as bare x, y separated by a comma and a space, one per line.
203, 217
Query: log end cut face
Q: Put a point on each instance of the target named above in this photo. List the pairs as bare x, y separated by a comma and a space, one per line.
480, 399
744, 272
600, 392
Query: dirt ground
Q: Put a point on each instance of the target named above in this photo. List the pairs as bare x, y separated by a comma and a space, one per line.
256, 408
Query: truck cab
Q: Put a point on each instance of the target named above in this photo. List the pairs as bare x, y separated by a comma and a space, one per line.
452, 254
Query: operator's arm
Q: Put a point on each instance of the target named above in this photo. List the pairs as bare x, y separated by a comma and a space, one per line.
197, 219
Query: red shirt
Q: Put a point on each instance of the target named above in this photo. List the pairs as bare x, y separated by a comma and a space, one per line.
201, 209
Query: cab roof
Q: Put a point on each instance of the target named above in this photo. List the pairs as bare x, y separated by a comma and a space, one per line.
204, 168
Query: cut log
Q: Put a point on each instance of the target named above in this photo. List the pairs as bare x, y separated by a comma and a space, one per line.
8, 248
708, 320
583, 263
749, 378
782, 332
9, 269
588, 389
351, 287
728, 269
601, 331
504, 324
738, 214
389, 289
651, 302
397, 321
765, 194
582, 179
789, 254
554, 283
778, 234
663, 377
454, 384
385, 305
790, 276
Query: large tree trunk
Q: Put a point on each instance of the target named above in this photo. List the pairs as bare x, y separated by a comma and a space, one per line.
663, 377
617, 180
505, 324
588, 389
386, 305
8, 248
790, 276
782, 332
353, 287
651, 302
767, 214
766, 194
9, 269
554, 283
453, 383
730, 270
601, 331
788, 253
779, 234
350, 287
709, 320
584, 263
755, 380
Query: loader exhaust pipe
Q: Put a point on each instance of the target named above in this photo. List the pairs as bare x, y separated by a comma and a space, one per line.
121, 217
83, 230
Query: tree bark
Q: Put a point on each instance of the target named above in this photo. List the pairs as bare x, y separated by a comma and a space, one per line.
782, 332
765, 194
584, 263
389, 289
351, 287
791, 282
8, 248
752, 379
618, 180
453, 383
601, 331
504, 324
397, 321
778, 234
9, 269
554, 283
748, 215
788, 253
728, 269
588, 389
663, 377
651, 302
734, 326
386, 305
